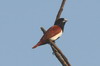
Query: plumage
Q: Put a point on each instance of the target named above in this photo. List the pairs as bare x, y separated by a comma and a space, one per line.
53, 32
56, 36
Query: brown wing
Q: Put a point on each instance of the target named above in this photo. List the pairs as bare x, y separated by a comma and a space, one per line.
52, 31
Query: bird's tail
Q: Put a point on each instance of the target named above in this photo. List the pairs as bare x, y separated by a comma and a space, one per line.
38, 44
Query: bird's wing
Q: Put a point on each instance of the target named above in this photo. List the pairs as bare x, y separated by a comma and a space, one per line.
52, 31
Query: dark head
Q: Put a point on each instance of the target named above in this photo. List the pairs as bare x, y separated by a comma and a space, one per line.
61, 22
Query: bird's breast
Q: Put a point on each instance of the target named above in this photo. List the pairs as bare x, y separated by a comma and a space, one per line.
56, 36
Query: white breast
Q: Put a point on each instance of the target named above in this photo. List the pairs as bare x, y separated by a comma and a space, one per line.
56, 36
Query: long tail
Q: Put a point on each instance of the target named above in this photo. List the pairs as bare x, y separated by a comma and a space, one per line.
38, 44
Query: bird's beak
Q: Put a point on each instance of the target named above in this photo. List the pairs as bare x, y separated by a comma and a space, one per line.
65, 20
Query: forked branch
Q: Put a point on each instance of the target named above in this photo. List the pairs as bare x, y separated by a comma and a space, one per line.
58, 53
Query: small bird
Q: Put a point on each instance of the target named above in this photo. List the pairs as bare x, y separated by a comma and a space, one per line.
53, 32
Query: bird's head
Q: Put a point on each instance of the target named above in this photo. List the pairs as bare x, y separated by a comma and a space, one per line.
61, 22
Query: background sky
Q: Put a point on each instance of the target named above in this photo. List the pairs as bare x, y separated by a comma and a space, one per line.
20, 22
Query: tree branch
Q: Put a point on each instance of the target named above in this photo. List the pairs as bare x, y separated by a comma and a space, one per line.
61, 9
58, 53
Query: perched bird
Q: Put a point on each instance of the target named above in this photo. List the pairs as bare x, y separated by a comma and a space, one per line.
53, 32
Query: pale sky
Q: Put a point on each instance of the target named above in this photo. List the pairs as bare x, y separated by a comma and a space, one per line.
20, 22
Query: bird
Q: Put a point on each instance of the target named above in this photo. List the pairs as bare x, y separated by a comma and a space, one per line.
53, 33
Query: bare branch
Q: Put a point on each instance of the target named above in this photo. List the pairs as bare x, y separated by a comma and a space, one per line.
58, 53
60, 10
